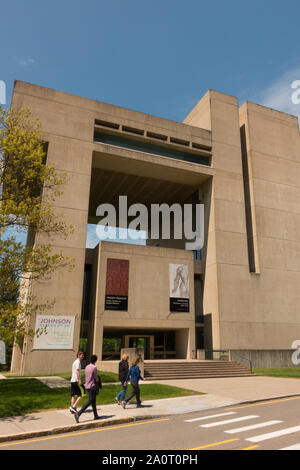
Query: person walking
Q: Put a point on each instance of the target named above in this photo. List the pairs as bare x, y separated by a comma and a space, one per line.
91, 381
75, 381
123, 371
134, 374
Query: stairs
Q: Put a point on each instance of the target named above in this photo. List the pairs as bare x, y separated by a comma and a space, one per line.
171, 370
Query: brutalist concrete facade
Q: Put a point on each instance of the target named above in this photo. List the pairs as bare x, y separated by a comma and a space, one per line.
243, 163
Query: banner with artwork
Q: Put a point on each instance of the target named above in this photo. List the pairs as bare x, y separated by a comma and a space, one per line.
117, 279
54, 332
179, 288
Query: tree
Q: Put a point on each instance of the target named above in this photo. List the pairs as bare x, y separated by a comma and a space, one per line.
28, 190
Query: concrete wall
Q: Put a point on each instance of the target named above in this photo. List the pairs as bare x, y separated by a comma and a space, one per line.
69, 133
226, 240
258, 308
273, 150
254, 308
68, 123
148, 296
263, 358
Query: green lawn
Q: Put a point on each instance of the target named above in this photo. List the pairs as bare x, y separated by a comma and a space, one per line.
23, 396
285, 372
106, 377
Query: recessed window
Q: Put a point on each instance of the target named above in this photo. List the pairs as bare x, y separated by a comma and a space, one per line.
149, 147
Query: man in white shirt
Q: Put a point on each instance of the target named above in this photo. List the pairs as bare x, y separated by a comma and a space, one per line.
75, 382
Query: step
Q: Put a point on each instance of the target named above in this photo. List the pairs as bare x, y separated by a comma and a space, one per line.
170, 370
192, 364
194, 370
186, 372
208, 374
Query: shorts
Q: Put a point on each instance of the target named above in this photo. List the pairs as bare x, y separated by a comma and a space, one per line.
75, 390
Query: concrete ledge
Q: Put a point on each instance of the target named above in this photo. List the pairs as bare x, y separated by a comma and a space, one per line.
263, 358
76, 427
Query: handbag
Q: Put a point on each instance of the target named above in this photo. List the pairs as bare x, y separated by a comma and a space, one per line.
98, 385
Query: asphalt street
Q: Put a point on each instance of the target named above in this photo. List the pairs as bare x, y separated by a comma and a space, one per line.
268, 425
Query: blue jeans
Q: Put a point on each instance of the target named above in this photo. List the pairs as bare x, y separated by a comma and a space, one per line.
122, 393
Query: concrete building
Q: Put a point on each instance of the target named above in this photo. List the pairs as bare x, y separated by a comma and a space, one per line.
242, 163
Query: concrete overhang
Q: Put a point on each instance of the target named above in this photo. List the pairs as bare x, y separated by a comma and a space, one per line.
143, 178
118, 159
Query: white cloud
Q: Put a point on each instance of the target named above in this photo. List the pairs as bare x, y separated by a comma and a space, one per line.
279, 94
26, 62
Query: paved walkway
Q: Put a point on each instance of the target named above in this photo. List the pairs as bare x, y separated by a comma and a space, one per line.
242, 388
219, 392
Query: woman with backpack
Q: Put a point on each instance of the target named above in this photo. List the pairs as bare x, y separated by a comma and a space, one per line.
123, 371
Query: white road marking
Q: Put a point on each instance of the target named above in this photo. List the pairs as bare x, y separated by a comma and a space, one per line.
282, 432
294, 447
210, 417
227, 421
253, 426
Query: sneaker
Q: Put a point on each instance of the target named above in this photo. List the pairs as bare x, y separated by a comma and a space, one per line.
117, 400
73, 409
124, 404
97, 417
76, 416
140, 405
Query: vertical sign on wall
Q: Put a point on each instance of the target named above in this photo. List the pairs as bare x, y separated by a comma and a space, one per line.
179, 288
117, 277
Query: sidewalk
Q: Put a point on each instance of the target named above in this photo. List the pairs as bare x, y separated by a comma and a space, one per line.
219, 393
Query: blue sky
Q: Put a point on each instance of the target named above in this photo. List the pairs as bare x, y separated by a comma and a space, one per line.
159, 57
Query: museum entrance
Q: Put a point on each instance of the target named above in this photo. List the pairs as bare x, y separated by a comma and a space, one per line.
142, 342
156, 344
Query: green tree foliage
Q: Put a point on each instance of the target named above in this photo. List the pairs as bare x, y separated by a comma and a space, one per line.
29, 188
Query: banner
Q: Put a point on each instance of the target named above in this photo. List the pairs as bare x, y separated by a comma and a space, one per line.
117, 279
2, 352
58, 332
179, 288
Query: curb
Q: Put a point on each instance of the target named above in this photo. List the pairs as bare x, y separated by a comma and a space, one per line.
263, 400
76, 427
114, 421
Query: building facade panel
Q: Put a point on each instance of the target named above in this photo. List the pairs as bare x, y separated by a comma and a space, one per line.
242, 163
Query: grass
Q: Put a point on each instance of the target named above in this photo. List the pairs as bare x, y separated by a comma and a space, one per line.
284, 372
27, 395
106, 377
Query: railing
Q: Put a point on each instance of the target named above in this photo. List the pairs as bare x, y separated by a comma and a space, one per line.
246, 359
222, 355
217, 355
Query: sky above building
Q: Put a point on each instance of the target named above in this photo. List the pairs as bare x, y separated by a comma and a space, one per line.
159, 57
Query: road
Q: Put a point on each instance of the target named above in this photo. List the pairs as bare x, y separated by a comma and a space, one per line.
266, 425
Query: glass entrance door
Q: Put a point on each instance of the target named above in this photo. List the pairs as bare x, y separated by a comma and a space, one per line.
140, 342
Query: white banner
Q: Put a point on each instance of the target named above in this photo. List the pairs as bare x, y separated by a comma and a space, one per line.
179, 281
59, 332
179, 288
